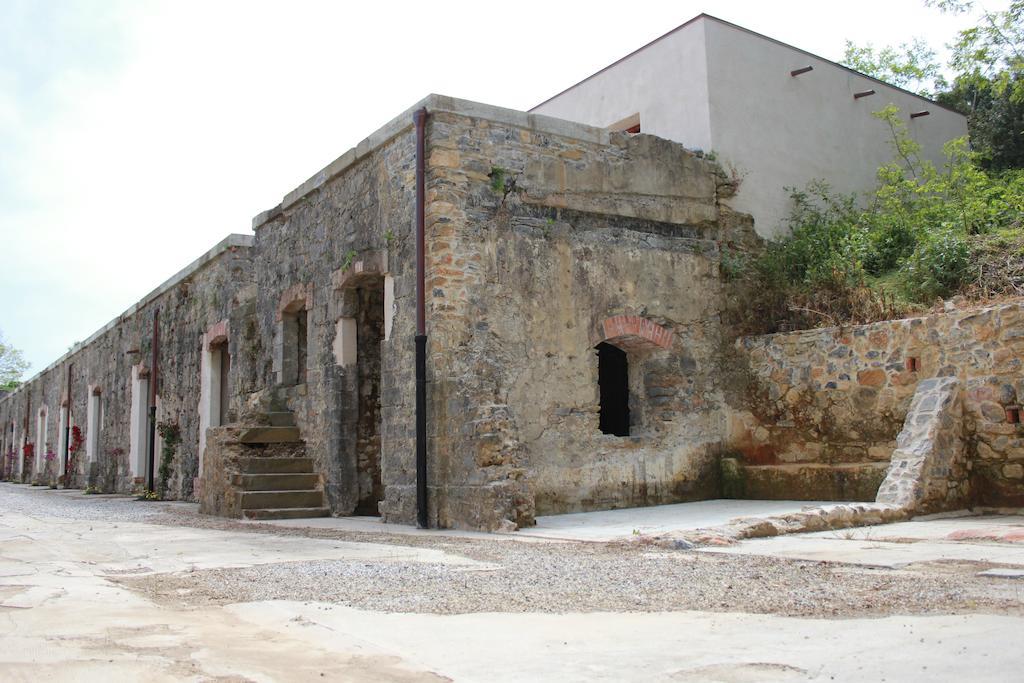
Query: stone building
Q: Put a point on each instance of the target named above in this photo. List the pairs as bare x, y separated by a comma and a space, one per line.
574, 355
545, 240
102, 384
571, 298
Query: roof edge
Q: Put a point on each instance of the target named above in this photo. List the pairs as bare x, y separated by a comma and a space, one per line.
232, 241
434, 103
704, 15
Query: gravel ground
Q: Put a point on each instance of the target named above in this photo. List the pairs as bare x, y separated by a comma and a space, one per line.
542, 577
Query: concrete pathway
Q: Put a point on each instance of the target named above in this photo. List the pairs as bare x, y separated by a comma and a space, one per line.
969, 538
607, 525
684, 646
613, 525
65, 617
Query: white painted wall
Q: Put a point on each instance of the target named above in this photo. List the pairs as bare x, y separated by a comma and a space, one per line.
158, 443
345, 342
785, 131
209, 396
138, 435
209, 383
62, 436
39, 454
390, 305
717, 87
665, 82
92, 426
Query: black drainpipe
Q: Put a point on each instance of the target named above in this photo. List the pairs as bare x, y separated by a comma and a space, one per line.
153, 374
420, 119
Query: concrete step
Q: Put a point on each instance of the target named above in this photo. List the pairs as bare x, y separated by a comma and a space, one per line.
278, 400
282, 418
282, 499
277, 482
286, 513
270, 435
857, 481
276, 465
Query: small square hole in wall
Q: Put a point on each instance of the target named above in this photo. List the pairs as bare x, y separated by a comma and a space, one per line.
1013, 415
913, 363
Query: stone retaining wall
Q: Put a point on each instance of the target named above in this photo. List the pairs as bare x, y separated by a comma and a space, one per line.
839, 397
928, 471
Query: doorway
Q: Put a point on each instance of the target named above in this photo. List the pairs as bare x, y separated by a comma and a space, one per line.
369, 327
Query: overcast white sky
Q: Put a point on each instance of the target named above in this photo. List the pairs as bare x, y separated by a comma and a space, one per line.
134, 135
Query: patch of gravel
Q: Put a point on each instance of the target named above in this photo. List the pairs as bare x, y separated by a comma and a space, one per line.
539, 577
34, 501
576, 577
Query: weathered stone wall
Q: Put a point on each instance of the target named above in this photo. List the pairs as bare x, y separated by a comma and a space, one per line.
318, 249
538, 231
221, 465
211, 289
537, 239
834, 399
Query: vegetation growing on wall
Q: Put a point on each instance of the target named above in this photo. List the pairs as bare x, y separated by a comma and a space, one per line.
926, 233
170, 432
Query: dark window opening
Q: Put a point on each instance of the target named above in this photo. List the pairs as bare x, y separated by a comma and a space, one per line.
913, 364
225, 371
1013, 415
613, 381
301, 338
634, 130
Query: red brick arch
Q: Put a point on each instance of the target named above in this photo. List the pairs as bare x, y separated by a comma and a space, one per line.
632, 330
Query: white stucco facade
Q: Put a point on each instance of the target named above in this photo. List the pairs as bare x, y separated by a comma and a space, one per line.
717, 87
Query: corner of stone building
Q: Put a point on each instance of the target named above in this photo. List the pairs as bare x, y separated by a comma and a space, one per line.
216, 494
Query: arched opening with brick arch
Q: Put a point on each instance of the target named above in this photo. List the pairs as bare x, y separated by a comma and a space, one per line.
623, 335
632, 332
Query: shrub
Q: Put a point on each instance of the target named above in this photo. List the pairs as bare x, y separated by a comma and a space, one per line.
938, 268
923, 234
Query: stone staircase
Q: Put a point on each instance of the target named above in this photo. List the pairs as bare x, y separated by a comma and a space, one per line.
278, 487
268, 475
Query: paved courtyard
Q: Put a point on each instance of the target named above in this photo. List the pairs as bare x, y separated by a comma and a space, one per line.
106, 588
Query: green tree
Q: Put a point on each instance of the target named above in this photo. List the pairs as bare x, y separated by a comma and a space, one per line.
12, 365
910, 66
992, 51
995, 121
988, 62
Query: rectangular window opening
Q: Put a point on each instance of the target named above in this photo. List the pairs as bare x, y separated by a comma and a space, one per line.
301, 344
613, 385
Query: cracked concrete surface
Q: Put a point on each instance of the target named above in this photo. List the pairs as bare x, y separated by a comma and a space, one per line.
65, 617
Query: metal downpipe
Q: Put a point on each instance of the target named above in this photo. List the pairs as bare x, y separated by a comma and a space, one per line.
419, 118
153, 375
